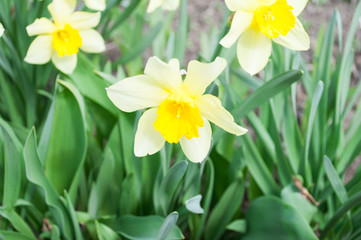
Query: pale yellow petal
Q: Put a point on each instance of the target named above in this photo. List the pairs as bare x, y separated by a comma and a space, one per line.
1, 29
98, 5
244, 5
147, 139
153, 5
267, 2
253, 51
40, 50
92, 41
240, 23
164, 74
40, 26
212, 109
296, 39
298, 6
170, 5
134, 93
61, 11
84, 20
65, 64
197, 149
201, 75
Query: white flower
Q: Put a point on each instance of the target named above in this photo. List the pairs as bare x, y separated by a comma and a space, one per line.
178, 111
169, 5
257, 22
1, 29
60, 40
98, 5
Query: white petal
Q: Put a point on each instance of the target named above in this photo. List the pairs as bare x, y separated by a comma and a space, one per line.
153, 5
1, 29
98, 5
92, 41
147, 139
65, 64
241, 21
61, 10
166, 75
40, 26
84, 20
253, 51
201, 75
244, 5
196, 149
298, 6
40, 50
134, 93
296, 39
212, 109
170, 5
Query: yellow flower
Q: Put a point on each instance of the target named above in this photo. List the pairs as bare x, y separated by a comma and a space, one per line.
257, 22
169, 5
1, 30
60, 40
178, 110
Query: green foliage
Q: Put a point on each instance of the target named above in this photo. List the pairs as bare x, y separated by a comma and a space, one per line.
67, 164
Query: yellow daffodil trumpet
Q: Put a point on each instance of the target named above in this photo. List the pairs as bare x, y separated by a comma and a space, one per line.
177, 110
256, 23
169, 5
60, 40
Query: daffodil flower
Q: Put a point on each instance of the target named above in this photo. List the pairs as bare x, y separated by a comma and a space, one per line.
169, 5
1, 29
178, 111
60, 40
98, 5
257, 22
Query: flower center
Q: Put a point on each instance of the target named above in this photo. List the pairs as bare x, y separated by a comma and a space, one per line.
177, 119
275, 19
67, 41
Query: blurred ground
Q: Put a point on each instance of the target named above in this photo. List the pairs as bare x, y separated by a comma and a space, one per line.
205, 13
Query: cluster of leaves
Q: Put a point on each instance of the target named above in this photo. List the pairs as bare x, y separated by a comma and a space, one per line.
67, 167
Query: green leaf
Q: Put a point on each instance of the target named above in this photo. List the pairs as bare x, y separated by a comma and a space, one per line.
181, 35
304, 167
167, 226
17, 221
141, 45
35, 174
170, 184
91, 85
7, 235
72, 214
339, 214
270, 218
13, 174
101, 192
266, 92
104, 232
123, 16
292, 196
224, 210
257, 167
239, 225
335, 181
141, 228
68, 141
